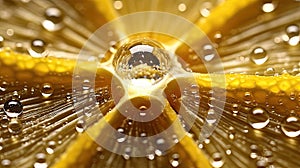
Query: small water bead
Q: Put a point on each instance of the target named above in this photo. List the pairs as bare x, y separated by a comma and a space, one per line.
3, 86
235, 109
228, 152
86, 84
127, 153
207, 141
205, 9
248, 97
268, 6
80, 126
293, 34
160, 141
50, 147
15, 126
254, 151
259, 56
118, 5
53, 19
258, 118
13, 108
1, 144
10, 32
218, 37
151, 156
269, 72
211, 117
142, 110
200, 146
268, 156
40, 161
16, 95
4, 122
1, 41
182, 7
231, 133
69, 96
292, 96
290, 126
174, 160
261, 164
5, 163
47, 90
38, 48
19, 47
208, 52
292, 30
217, 160
121, 137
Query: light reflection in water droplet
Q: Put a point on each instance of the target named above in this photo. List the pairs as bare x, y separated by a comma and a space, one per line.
258, 118
174, 160
53, 19
38, 48
259, 56
290, 126
268, 7
47, 90
217, 160
15, 126
13, 108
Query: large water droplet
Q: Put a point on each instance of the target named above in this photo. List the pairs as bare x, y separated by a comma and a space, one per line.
259, 56
144, 61
290, 126
53, 19
13, 108
38, 48
258, 118
47, 90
